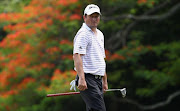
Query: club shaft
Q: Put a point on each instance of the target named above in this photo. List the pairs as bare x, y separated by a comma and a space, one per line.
114, 90
62, 94
73, 93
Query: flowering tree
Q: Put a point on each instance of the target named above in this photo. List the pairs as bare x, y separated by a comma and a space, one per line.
36, 52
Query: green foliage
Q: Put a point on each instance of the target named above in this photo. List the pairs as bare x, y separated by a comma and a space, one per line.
12, 5
157, 66
157, 81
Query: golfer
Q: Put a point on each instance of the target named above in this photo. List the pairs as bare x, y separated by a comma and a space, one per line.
88, 55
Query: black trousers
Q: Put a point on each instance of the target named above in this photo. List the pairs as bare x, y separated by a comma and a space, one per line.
93, 96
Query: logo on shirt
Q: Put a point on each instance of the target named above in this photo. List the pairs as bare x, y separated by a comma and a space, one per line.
80, 47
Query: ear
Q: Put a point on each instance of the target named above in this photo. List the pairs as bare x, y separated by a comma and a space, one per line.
84, 17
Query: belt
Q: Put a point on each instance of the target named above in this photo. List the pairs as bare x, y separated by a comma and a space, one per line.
95, 76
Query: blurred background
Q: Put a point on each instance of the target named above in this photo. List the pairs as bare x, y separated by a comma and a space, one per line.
142, 42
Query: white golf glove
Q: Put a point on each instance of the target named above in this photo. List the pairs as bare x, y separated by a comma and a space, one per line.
73, 85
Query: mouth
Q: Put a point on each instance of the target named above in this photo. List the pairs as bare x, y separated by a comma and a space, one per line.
95, 23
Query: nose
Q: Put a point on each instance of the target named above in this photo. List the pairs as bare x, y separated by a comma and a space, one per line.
94, 18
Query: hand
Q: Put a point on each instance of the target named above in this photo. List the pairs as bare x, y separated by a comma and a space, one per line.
82, 84
105, 86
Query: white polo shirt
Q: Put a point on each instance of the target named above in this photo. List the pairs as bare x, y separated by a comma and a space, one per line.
92, 48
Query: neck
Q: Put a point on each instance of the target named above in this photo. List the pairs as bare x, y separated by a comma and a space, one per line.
93, 29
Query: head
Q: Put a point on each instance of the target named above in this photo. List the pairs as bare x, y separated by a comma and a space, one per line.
92, 15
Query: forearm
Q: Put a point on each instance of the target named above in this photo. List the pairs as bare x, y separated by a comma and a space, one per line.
79, 68
105, 83
105, 78
79, 65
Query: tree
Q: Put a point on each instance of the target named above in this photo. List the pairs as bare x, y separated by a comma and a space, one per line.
36, 51
146, 48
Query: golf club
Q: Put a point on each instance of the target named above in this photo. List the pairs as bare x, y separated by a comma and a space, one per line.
123, 92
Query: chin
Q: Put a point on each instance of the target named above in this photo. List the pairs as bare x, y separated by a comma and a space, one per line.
95, 25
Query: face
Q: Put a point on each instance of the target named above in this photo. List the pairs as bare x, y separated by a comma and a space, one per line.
92, 20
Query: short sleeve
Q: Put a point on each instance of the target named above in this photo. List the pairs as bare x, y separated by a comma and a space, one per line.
102, 40
104, 55
80, 43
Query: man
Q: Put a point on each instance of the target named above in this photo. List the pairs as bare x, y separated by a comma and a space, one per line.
88, 55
